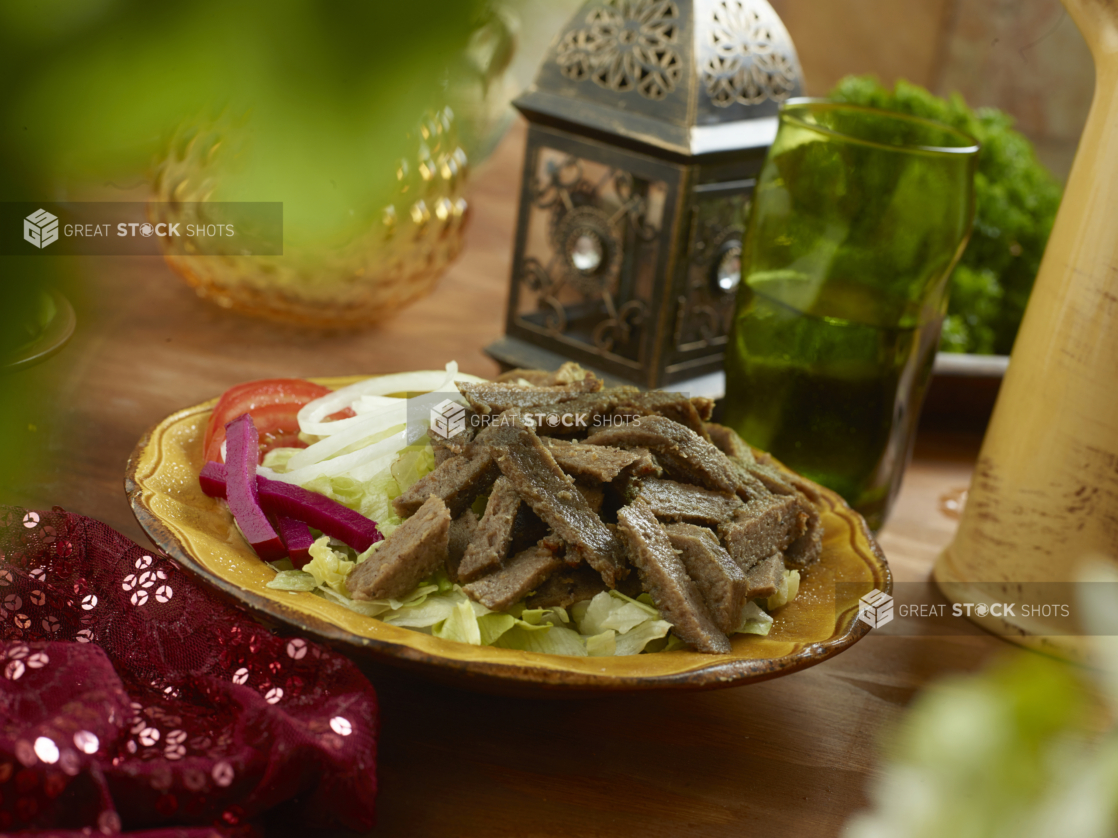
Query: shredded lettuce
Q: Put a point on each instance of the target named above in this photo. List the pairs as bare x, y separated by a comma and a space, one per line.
789, 587
754, 620
294, 580
413, 463
328, 566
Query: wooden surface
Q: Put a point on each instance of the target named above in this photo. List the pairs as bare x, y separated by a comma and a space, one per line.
789, 757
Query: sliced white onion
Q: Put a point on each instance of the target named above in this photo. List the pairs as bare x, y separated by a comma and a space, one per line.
311, 415
385, 449
369, 425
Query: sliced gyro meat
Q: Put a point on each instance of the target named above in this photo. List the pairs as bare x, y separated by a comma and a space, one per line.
519, 577
567, 586
580, 414
765, 577
537, 478
673, 501
763, 526
488, 398
664, 577
457, 482
762, 469
684, 454
806, 549
719, 579
446, 447
461, 533
598, 463
491, 540
675, 406
413, 552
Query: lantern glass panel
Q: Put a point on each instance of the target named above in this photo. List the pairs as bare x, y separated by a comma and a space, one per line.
591, 252
712, 272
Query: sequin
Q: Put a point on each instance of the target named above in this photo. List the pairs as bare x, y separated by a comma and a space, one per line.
14, 670
240, 676
46, 750
223, 774
297, 648
274, 695
86, 742
38, 598
37, 660
31, 520
164, 593
89, 602
13, 602
341, 726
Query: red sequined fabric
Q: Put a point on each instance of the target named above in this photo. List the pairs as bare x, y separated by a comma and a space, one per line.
134, 700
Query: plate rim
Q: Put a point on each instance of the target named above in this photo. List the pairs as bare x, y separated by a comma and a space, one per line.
718, 674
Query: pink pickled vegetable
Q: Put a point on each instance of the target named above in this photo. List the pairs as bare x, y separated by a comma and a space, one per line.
318, 511
297, 538
241, 452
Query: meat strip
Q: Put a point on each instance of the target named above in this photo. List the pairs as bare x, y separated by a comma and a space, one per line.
806, 549
762, 527
445, 448
720, 581
537, 478
753, 475
590, 462
567, 586
674, 406
459, 537
665, 578
764, 578
521, 575
488, 398
458, 482
684, 454
413, 552
761, 476
594, 496
490, 543
674, 501
580, 414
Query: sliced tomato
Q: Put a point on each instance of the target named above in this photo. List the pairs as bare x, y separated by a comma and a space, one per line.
274, 404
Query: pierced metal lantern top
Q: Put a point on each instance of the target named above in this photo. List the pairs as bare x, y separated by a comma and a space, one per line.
685, 77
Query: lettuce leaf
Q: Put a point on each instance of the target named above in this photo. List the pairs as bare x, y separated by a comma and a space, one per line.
328, 566
293, 580
754, 620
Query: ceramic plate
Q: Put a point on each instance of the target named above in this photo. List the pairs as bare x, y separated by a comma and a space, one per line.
162, 486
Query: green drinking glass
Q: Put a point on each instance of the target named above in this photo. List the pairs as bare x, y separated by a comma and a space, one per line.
857, 221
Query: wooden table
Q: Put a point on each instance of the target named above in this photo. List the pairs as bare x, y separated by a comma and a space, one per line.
787, 757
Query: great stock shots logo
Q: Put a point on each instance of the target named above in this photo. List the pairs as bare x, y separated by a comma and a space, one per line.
448, 418
40, 228
875, 608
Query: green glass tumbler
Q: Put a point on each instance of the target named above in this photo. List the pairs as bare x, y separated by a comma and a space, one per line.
857, 221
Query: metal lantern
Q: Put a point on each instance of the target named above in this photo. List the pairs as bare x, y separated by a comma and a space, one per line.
648, 124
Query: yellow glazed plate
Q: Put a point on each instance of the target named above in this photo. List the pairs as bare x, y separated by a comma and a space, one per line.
198, 531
